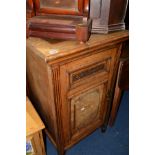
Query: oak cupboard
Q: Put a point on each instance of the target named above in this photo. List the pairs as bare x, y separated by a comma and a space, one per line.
71, 84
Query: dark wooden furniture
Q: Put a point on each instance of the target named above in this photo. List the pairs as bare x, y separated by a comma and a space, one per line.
107, 15
63, 7
122, 82
29, 9
60, 27
61, 19
29, 13
71, 84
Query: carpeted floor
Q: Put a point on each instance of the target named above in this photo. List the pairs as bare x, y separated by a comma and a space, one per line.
115, 141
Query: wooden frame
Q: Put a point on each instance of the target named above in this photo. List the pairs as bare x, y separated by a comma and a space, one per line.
83, 6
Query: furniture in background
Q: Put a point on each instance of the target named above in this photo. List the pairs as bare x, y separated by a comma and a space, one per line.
29, 13
74, 19
60, 19
29, 9
63, 7
122, 82
108, 15
71, 84
60, 27
34, 127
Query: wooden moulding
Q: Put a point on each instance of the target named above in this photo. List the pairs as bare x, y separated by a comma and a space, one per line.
60, 27
108, 15
55, 7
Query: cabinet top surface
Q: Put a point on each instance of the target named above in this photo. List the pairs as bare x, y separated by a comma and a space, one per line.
51, 49
33, 121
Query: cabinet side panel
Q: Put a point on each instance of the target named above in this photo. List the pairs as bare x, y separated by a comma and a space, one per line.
41, 93
117, 11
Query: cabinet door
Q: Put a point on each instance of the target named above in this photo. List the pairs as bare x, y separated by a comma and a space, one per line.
67, 7
87, 109
84, 86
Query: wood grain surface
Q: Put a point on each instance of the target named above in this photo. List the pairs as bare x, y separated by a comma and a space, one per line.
71, 84
33, 121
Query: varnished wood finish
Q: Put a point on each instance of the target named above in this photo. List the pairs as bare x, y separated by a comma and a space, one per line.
34, 127
29, 9
60, 27
33, 121
30, 12
121, 85
122, 82
108, 15
82, 8
59, 19
70, 84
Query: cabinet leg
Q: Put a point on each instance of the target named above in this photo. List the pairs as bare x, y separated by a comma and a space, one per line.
61, 152
103, 128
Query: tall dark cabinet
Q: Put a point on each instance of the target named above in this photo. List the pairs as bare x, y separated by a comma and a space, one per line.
108, 15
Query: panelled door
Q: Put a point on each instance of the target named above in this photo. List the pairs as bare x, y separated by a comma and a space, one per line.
84, 86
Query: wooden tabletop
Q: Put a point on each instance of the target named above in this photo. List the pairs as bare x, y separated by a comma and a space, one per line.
33, 121
51, 49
